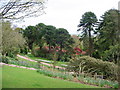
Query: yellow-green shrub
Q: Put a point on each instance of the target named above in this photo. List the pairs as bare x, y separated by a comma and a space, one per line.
90, 65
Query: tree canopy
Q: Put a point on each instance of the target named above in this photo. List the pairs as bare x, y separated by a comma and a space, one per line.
107, 39
48, 38
12, 40
87, 23
49, 35
31, 33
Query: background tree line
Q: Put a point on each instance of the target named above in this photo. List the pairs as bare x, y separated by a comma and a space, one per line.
47, 39
103, 43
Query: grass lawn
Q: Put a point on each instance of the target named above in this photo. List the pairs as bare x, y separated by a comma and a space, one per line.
35, 58
21, 59
14, 77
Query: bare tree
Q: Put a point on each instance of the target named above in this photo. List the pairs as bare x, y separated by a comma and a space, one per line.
19, 9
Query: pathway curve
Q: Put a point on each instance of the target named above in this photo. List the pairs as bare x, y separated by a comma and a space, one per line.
40, 62
17, 66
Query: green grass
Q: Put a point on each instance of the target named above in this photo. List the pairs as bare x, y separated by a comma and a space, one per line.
22, 78
23, 62
0, 77
30, 62
35, 58
27, 63
22, 59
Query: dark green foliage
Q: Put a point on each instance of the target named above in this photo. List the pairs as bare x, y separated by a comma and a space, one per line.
65, 57
63, 38
89, 65
12, 55
87, 23
34, 35
43, 53
40, 40
107, 39
112, 53
31, 33
64, 41
4, 59
50, 34
47, 35
40, 52
24, 50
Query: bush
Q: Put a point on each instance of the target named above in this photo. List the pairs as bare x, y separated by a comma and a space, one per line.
4, 59
24, 50
64, 57
48, 54
86, 64
43, 53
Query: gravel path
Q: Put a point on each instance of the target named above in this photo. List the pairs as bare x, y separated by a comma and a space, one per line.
41, 62
17, 66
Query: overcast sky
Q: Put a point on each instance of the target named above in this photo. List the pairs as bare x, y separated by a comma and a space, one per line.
67, 13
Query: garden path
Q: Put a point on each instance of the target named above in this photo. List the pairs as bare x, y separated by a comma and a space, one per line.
16, 66
40, 62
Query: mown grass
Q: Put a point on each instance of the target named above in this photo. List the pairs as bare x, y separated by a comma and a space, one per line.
14, 77
32, 63
23, 62
22, 59
35, 58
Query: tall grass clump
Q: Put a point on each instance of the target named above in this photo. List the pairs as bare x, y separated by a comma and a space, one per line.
64, 76
98, 82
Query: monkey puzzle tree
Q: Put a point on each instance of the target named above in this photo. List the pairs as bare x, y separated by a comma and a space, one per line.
87, 23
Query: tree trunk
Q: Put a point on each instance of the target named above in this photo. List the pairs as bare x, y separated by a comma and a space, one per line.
90, 44
61, 47
30, 45
49, 47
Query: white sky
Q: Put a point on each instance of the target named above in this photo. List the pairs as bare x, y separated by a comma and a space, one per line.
67, 13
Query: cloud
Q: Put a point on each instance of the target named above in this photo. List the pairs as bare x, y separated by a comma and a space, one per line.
67, 13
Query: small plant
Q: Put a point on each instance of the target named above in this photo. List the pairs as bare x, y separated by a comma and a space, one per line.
4, 59
98, 82
23, 63
56, 74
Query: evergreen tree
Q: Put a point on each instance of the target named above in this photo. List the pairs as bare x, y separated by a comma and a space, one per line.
87, 23
107, 40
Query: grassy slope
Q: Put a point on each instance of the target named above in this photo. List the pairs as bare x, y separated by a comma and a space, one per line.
34, 58
22, 78
21, 59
